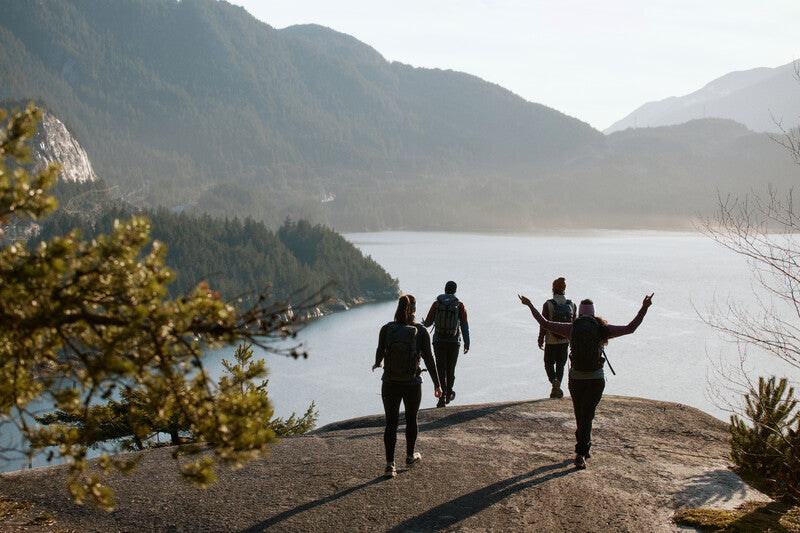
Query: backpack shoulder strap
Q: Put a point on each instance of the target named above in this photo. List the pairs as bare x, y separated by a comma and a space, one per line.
549, 306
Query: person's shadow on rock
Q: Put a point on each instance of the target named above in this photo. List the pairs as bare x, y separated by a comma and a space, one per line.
454, 511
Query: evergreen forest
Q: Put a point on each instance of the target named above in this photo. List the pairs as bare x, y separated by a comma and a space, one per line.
238, 258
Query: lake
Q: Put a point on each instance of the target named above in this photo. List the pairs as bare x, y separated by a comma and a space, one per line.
670, 357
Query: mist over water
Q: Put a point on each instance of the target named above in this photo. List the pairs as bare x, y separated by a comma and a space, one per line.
670, 357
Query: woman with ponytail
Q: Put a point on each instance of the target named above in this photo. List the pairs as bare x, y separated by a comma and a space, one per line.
400, 344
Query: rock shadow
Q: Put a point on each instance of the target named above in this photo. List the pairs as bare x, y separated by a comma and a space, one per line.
712, 487
456, 417
450, 513
280, 517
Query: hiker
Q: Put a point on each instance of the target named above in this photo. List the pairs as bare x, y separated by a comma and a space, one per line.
588, 334
557, 309
400, 344
449, 318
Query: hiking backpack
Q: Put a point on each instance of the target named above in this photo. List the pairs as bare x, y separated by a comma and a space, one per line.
401, 359
561, 313
446, 317
584, 342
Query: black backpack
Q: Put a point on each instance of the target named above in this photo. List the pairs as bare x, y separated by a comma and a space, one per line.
446, 317
584, 342
561, 312
401, 359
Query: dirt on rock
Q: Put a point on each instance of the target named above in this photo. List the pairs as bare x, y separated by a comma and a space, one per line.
493, 467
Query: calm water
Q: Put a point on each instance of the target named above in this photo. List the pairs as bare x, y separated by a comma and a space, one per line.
670, 357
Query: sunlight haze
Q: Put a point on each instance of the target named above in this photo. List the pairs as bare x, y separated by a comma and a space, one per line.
594, 61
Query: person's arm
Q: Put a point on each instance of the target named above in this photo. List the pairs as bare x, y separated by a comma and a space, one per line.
429, 318
559, 328
380, 351
462, 318
424, 347
545, 314
618, 331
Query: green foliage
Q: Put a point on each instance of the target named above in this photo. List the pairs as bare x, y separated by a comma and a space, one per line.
240, 380
749, 517
127, 420
325, 251
240, 257
762, 448
79, 319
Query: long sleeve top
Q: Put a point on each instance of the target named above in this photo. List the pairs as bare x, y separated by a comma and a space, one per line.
423, 348
565, 329
547, 336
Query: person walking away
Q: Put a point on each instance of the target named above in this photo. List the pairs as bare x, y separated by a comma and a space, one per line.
400, 344
588, 335
557, 309
449, 319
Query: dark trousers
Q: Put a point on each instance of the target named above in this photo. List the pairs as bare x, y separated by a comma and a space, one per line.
411, 396
555, 357
446, 358
586, 394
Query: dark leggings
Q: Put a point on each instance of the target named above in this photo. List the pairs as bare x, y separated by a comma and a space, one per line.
446, 359
555, 357
586, 394
411, 396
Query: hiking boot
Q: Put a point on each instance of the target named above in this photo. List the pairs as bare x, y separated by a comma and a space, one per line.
580, 462
556, 391
450, 397
413, 459
587, 456
441, 402
390, 471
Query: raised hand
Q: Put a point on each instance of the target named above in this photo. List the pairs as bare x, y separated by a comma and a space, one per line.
648, 301
524, 300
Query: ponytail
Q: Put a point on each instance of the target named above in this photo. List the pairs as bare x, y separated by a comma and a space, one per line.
406, 307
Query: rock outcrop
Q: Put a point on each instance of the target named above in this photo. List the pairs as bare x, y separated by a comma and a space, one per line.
495, 467
54, 142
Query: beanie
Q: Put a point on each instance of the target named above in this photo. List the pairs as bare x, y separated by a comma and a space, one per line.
560, 285
586, 308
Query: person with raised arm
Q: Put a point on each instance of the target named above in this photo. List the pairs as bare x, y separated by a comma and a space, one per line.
588, 335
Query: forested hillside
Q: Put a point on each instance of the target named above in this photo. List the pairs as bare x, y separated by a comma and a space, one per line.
197, 106
238, 258
174, 98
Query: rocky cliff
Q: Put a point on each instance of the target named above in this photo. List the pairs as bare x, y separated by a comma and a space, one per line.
494, 467
54, 142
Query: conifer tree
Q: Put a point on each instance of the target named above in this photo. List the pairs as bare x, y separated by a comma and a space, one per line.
82, 319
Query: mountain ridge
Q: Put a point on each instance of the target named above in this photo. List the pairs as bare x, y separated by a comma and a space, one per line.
198, 105
757, 98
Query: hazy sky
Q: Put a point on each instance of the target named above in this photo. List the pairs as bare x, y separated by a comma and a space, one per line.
596, 61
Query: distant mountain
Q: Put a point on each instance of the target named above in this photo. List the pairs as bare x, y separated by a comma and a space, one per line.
174, 98
196, 106
665, 176
756, 98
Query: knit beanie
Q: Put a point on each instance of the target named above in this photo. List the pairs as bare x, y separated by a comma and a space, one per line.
560, 285
586, 308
